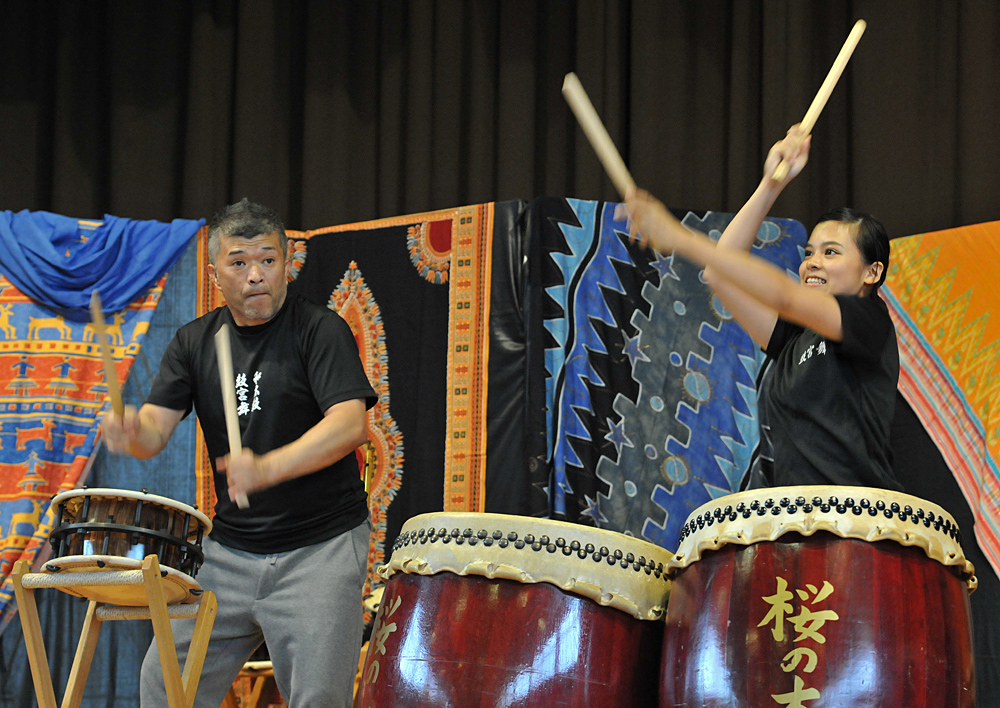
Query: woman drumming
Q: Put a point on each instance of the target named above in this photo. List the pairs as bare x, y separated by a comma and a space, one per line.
826, 405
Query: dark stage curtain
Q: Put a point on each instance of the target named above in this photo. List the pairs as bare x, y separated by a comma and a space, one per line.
338, 112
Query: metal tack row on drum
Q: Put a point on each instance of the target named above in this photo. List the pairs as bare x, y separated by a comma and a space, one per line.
819, 596
777, 597
495, 610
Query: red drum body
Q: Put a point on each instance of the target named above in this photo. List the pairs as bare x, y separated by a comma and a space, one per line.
450, 639
819, 604
114, 529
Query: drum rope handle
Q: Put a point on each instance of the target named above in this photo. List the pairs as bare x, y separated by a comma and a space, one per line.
68, 580
117, 612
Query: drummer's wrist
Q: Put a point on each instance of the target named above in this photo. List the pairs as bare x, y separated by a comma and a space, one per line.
771, 189
146, 443
268, 471
148, 439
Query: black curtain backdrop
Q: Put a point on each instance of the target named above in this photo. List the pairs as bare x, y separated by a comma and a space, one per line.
336, 112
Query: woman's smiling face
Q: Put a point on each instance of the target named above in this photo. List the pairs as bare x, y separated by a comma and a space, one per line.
833, 262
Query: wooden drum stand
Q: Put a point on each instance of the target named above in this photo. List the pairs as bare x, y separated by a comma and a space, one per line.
181, 687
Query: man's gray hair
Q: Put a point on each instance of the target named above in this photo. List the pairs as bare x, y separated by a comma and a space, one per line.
244, 219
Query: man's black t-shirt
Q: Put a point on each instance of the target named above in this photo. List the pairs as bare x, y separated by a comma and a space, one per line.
288, 372
826, 407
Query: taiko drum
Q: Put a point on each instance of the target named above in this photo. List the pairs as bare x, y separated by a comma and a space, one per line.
493, 610
114, 529
819, 596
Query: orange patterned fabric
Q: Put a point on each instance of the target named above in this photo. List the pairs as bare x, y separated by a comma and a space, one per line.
52, 392
943, 295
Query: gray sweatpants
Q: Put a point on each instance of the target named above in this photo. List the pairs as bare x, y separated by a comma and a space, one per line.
305, 603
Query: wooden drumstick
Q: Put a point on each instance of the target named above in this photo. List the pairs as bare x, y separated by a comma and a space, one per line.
110, 375
825, 90
225, 358
596, 133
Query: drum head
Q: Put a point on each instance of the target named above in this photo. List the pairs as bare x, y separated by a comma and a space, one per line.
612, 569
178, 588
863, 513
74, 499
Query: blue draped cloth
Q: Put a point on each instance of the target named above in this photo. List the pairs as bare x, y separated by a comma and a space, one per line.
58, 260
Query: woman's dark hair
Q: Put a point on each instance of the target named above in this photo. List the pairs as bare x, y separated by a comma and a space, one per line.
872, 239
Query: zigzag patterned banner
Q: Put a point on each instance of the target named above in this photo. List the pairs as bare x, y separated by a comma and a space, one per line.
941, 299
650, 382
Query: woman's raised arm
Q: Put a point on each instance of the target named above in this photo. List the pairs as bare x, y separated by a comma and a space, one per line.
756, 317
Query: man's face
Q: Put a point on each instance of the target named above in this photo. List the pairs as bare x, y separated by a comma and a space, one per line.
252, 274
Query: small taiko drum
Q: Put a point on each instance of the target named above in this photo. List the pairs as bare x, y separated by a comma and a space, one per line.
114, 529
819, 596
495, 610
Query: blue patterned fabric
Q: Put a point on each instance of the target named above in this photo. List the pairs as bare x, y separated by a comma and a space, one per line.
58, 260
114, 677
650, 383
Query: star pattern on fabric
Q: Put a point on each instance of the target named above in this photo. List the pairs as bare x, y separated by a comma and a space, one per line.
665, 266
632, 348
593, 510
616, 435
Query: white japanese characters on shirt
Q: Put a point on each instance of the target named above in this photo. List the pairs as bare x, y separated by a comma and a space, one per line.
243, 407
816, 349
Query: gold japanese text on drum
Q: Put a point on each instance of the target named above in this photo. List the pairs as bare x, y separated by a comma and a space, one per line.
609, 568
863, 513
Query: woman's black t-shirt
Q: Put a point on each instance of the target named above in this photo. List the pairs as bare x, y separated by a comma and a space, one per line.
288, 371
826, 407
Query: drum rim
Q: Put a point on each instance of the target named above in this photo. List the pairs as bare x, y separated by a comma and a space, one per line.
704, 530
182, 579
123, 562
643, 595
130, 494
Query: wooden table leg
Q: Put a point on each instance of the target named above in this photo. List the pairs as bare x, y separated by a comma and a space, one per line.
33, 638
176, 697
199, 645
82, 660
180, 689
258, 686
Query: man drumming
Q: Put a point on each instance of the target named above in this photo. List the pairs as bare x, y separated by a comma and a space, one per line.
288, 569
